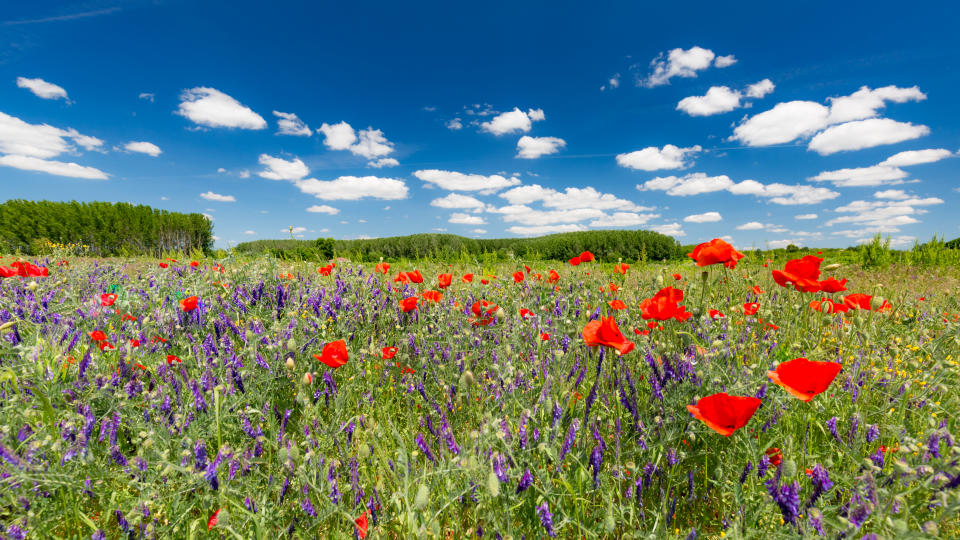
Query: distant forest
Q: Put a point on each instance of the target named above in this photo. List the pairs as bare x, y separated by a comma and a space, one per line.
105, 228
605, 245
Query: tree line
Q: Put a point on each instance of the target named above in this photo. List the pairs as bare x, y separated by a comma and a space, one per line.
100, 228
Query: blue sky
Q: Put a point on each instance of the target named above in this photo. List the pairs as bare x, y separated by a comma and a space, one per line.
761, 124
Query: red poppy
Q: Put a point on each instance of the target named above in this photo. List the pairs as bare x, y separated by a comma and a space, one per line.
617, 304
415, 276
526, 313
408, 304
334, 354
605, 332
774, 455
107, 299
664, 306
518, 277
544, 336
383, 268
189, 303
756, 290
724, 413
97, 335
467, 278
677, 277
432, 296
801, 273
389, 352
804, 378
444, 280
164, 265
586, 256
553, 277
864, 301
212, 522
361, 524
714, 313
171, 359
575, 261
750, 308
715, 251
831, 285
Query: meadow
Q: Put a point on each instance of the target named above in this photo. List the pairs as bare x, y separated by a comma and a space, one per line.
252, 397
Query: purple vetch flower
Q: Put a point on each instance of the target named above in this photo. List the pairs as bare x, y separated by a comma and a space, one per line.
525, 481
546, 519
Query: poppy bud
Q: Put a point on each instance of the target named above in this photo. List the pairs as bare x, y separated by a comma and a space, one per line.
290, 363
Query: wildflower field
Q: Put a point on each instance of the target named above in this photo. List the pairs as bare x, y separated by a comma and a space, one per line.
722, 396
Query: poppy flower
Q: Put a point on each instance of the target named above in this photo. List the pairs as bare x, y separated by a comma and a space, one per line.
553, 277
401, 277
97, 335
526, 313
444, 280
724, 413
750, 308
544, 336
831, 285
586, 256
617, 304
164, 265
605, 332
804, 378
715, 251
664, 306
189, 303
107, 300
621, 268
212, 522
361, 525
756, 290
432, 296
518, 277
677, 277
389, 352
334, 354
171, 359
467, 278
408, 304
775, 455
801, 273
415, 276
575, 261
714, 313
383, 268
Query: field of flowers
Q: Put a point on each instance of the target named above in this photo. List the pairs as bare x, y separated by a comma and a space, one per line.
724, 396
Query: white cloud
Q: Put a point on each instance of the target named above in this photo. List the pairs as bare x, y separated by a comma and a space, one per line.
466, 219
533, 147
892, 194
623, 219
719, 99
281, 169
457, 181
338, 136
805, 216
455, 200
544, 229
59, 168
147, 96
352, 188
512, 121
652, 158
323, 209
697, 183
212, 108
290, 124
211, 196
865, 103
751, 226
680, 63
249, 232
669, 229
706, 217
916, 157
861, 134
760, 89
383, 162
143, 147
876, 175
42, 88
40, 140
454, 124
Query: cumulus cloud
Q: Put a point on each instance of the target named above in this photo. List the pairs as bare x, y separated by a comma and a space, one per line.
281, 169
513, 121
323, 209
861, 134
466, 219
698, 183
457, 181
383, 162
291, 124
916, 157
58, 168
211, 196
212, 108
652, 158
533, 147
681, 63
706, 217
455, 200
352, 188
42, 88
143, 147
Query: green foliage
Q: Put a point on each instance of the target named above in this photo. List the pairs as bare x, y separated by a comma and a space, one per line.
102, 228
